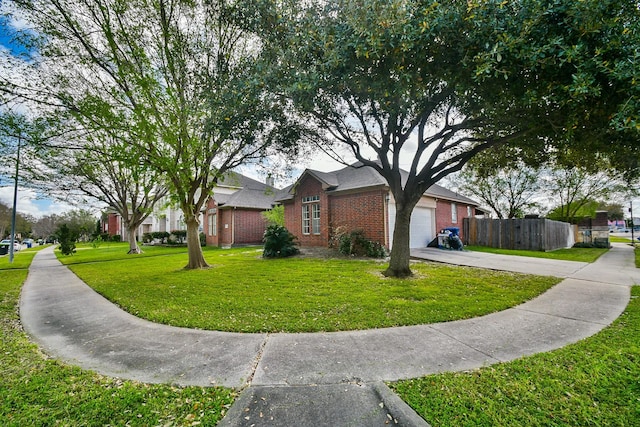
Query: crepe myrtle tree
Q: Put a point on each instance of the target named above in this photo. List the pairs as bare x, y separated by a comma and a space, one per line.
178, 77
429, 85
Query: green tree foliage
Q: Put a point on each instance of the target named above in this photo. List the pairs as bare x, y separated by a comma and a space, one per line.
511, 192
107, 169
615, 211
577, 211
575, 192
80, 223
274, 216
179, 78
67, 239
432, 84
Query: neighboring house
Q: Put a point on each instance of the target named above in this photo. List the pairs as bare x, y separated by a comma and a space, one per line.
233, 216
163, 218
321, 204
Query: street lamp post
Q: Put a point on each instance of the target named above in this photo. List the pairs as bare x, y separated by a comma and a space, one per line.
633, 240
15, 203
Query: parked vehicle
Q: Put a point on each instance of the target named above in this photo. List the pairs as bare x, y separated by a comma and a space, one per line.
16, 245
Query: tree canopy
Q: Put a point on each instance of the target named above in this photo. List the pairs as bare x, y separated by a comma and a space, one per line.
427, 86
178, 78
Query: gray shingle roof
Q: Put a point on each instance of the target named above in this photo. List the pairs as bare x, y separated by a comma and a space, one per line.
360, 177
251, 194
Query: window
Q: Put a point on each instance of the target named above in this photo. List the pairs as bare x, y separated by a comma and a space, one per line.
310, 215
454, 213
315, 216
213, 225
468, 211
306, 226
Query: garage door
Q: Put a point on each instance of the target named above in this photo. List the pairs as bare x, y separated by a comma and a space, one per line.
422, 226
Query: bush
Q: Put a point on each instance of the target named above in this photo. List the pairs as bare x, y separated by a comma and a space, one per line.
355, 243
203, 239
116, 238
279, 242
596, 244
67, 240
179, 235
95, 243
163, 236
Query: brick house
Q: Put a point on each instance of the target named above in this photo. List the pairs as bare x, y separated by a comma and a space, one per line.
321, 203
233, 216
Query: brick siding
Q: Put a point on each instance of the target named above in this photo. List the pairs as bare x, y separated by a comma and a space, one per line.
364, 211
443, 215
235, 226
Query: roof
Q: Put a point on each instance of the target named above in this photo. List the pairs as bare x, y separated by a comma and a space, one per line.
250, 194
356, 176
234, 179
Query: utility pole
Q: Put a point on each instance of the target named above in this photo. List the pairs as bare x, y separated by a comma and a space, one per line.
15, 202
633, 240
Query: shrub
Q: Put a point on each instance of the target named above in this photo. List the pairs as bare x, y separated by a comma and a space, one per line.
116, 238
279, 242
160, 235
203, 239
595, 244
95, 243
355, 243
67, 240
179, 235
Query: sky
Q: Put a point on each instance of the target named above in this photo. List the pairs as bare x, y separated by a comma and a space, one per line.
29, 202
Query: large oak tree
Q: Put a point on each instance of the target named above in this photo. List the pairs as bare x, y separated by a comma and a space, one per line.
433, 84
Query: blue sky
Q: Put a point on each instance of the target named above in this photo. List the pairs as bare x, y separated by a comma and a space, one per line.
28, 200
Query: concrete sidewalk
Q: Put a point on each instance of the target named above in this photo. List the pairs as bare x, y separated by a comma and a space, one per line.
290, 373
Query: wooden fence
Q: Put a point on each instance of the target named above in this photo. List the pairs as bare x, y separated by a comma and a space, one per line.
526, 234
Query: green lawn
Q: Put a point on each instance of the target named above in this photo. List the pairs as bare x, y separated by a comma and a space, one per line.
617, 239
595, 382
37, 391
571, 254
245, 293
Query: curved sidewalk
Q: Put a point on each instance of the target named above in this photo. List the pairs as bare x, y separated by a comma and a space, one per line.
72, 322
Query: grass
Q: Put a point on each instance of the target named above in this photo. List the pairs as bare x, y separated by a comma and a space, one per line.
618, 239
595, 382
37, 391
243, 292
570, 254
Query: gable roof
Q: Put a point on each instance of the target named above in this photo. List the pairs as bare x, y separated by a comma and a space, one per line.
356, 177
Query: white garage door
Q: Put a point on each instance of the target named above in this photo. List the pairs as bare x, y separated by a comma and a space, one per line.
422, 226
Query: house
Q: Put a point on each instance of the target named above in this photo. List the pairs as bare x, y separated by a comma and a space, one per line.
233, 216
321, 204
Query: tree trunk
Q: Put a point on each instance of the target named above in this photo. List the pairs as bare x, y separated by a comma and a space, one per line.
133, 243
400, 254
196, 258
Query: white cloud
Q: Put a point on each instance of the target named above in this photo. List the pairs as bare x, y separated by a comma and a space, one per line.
29, 203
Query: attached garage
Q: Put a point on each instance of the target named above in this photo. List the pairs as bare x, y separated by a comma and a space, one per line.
423, 223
